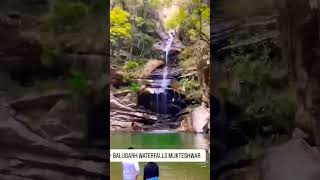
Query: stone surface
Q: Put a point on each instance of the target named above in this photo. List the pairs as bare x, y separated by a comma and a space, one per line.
116, 77
36, 100
299, 38
186, 124
294, 160
124, 118
299, 134
42, 128
35, 156
200, 117
150, 66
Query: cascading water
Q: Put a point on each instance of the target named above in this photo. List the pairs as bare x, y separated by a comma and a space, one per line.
164, 83
160, 94
167, 50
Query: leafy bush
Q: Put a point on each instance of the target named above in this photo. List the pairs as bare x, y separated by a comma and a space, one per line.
259, 84
139, 21
191, 87
66, 13
132, 69
187, 58
189, 84
130, 65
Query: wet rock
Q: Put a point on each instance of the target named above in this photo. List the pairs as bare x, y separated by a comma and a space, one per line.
151, 66
157, 99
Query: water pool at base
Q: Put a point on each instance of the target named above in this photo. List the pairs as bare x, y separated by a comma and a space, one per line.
163, 140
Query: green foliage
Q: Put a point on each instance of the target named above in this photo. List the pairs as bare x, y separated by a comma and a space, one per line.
130, 65
78, 81
66, 13
149, 26
132, 69
155, 3
189, 84
255, 71
205, 13
187, 58
187, 53
191, 87
193, 18
178, 19
120, 27
134, 87
260, 85
159, 3
142, 46
139, 21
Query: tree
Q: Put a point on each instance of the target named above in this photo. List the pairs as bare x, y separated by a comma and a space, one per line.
194, 18
120, 29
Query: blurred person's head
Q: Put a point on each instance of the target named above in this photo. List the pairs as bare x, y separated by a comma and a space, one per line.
130, 147
151, 170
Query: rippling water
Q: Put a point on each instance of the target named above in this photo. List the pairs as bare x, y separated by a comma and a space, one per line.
164, 140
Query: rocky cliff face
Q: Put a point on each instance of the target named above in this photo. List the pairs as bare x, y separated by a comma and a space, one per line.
293, 30
47, 130
300, 41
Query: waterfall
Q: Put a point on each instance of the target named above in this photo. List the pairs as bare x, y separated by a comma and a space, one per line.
167, 50
164, 83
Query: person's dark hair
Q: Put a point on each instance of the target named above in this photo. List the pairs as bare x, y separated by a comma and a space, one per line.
130, 147
151, 169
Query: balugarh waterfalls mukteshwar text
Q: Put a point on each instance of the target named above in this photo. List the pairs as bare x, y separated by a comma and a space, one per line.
159, 86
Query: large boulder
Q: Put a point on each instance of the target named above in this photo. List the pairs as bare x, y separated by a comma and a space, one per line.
200, 119
197, 121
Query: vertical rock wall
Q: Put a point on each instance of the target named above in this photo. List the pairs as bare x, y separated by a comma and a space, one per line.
299, 27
